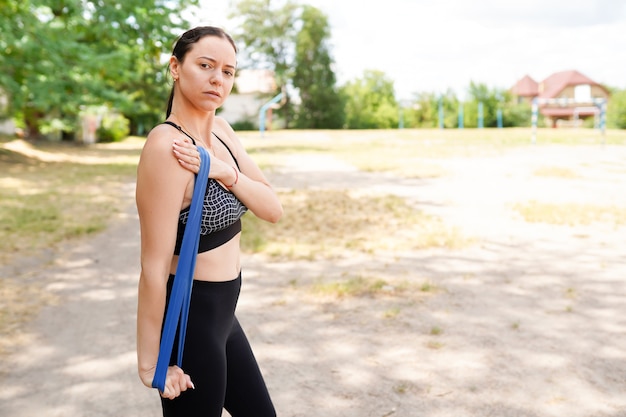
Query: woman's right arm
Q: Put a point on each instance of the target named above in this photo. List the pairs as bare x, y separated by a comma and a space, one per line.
161, 185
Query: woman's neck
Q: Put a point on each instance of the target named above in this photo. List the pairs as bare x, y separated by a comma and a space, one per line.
197, 126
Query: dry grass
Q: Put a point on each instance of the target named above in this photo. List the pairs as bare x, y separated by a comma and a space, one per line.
556, 172
570, 214
335, 223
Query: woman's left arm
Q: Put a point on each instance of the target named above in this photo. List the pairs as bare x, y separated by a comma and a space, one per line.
250, 184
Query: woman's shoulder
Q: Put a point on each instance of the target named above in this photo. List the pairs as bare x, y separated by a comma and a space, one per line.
225, 132
222, 125
162, 135
159, 143
162, 129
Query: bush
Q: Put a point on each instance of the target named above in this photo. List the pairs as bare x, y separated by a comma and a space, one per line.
518, 115
616, 112
243, 125
114, 128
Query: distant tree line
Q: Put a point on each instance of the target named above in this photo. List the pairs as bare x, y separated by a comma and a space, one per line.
66, 58
293, 41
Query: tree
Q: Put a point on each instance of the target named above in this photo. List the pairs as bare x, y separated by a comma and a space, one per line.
516, 114
616, 111
268, 34
15, 18
321, 106
64, 55
513, 113
490, 99
424, 111
371, 103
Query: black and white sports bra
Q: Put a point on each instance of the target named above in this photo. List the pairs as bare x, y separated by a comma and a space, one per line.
221, 212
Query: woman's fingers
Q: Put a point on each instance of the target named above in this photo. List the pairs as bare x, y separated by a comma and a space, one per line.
187, 155
176, 382
189, 383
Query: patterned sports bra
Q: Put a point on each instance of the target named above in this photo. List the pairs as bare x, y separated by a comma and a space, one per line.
221, 212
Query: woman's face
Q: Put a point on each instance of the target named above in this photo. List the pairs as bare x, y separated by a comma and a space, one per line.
207, 73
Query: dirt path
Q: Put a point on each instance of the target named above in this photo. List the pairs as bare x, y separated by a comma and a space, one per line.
81, 361
531, 321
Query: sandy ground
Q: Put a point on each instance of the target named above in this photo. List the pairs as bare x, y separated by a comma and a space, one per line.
529, 321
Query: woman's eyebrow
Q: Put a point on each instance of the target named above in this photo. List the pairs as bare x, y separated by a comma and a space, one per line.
215, 60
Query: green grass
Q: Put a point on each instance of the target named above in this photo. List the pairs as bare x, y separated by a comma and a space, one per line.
436, 331
352, 287
372, 286
43, 203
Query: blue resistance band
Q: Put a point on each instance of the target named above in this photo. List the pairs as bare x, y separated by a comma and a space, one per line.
178, 307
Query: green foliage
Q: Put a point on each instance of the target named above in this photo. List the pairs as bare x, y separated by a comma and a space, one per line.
243, 125
371, 103
268, 34
321, 104
61, 56
291, 40
114, 128
616, 111
516, 114
491, 100
424, 111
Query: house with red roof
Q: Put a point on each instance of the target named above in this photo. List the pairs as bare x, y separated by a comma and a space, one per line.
565, 98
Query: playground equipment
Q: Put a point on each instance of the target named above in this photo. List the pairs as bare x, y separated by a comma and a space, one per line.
440, 112
461, 115
265, 107
598, 108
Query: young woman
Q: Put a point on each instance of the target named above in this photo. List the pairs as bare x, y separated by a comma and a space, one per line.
219, 369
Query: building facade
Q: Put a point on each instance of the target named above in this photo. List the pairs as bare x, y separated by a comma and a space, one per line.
565, 98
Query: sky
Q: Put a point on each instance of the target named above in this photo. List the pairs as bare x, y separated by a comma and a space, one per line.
436, 45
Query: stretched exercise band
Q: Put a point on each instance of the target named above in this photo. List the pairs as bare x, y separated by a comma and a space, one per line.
178, 307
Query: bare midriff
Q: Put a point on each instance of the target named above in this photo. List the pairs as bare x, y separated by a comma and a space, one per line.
220, 264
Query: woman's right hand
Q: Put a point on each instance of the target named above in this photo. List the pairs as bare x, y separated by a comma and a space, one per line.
187, 155
176, 382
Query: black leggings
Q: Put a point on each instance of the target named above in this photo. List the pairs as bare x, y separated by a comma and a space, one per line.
218, 358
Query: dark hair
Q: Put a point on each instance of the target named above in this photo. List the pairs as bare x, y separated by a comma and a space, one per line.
186, 41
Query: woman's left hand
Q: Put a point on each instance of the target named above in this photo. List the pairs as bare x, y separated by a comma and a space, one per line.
187, 155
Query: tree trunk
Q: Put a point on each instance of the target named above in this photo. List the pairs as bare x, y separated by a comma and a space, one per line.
32, 117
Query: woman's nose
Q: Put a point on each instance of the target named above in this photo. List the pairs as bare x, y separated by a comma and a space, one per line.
216, 78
